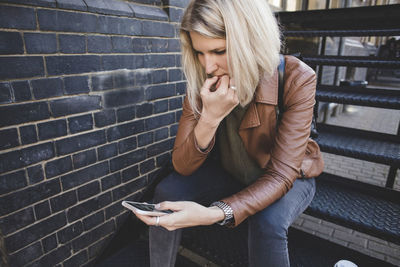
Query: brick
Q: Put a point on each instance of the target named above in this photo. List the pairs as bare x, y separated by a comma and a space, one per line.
35, 232
5, 93
88, 190
22, 91
150, 2
161, 106
99, 44
147, 166
9, 138
318, 227
144, 110
141, 45
40, 43
160, 91
121, 44
93, 220
147, 12
160, 148
126, 114
174, 45
11, 43
175, 103
63, 201
161, 134
123, 79
17, 18
159, 61
110, 181
104, 118
127, 189
21, 67
110, 7
162, 159
84, 158
159, 76
178, 3
26, 255
61, 21
76, 85
54, 257
117, 62
96, 248
124, 26
72, 44
70, 232
80, 123
49, 243
175, 14
59, 65
58, 166
178, 115
30, 155
174, 75
46, 88
72, 4
143, 77
85, 175
28, 134
173, 130
35, 174
384, 249
16, 221
145, 139
52, 129
127, 144
45, 3
92, 236
151, 28
76, 260
88, 207
181, 88
102, 82
80, 142
126, 160
124, 130
107, 151
130, 173
42, 210
159, 121
350, 238
113, 210
73, 105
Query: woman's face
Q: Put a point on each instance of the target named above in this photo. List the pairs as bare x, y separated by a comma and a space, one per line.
211, 54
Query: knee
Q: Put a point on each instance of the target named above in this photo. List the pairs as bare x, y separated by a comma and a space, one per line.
268, 225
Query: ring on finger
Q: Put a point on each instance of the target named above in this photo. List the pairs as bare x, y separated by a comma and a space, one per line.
157, 221
233, 87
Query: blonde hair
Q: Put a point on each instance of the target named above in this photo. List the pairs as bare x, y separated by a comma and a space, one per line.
252, 43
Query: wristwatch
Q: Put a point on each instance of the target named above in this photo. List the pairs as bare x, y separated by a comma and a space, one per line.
229, 220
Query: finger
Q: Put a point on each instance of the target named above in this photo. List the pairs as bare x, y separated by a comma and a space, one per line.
171, 205
208, 83
223, 87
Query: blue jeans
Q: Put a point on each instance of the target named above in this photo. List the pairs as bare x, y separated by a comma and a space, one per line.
267, 229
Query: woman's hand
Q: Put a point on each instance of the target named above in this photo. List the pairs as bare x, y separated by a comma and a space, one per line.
219, 103
186, 214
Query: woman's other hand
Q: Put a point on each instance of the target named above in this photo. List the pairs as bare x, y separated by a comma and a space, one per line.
186, 214
219, 103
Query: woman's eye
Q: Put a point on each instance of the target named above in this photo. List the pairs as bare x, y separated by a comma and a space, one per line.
220, 52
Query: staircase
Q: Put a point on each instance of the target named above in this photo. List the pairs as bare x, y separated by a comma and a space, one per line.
367, 208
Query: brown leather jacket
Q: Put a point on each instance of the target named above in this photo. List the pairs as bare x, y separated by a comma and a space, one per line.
281, 153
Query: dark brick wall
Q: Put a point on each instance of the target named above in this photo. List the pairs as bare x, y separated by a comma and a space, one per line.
90, 95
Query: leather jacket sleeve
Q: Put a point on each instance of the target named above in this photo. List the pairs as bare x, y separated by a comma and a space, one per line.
288, 150
187, 157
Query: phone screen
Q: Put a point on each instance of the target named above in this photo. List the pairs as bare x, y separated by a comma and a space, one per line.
145, 208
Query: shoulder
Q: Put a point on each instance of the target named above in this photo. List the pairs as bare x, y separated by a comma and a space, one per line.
297, 71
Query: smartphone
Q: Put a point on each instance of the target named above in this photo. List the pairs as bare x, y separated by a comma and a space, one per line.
144, 208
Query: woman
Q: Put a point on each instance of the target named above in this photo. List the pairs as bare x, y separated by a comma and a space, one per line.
230, 54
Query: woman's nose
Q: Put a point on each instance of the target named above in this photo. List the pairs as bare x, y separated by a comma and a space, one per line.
210, 65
